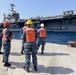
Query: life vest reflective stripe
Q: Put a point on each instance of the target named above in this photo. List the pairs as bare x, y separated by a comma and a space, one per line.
24, 28
30, 35
4, 35
42, 33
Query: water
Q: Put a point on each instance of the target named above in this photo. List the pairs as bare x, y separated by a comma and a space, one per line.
60, 37
54, 37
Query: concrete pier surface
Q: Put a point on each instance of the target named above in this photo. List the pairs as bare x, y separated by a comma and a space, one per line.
57, 60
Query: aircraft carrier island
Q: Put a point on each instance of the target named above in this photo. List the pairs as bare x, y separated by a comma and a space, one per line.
65, 22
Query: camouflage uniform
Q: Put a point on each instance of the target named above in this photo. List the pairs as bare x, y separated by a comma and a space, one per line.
22, 49
7, 46
41, 41
29, 48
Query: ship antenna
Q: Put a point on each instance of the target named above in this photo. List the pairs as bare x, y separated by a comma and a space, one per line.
12, 7
4, 17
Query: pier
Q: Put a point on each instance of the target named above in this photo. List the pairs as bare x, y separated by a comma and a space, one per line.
57, 60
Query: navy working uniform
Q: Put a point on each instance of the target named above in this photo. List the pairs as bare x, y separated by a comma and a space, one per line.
42, 36
7, 37
29, 36
23, 29
1, 42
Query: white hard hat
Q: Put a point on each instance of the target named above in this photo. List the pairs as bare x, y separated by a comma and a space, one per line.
42, 25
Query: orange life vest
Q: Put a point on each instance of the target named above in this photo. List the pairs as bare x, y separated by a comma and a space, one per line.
24, 28
42, 33
4, 35
30, 35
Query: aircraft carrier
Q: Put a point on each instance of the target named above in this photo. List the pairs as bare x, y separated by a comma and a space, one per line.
65, 22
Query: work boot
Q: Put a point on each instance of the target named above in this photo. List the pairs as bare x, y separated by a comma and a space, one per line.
6, 64
26, 68
42, 52
35, 67
3, 60
1, 52
21, 52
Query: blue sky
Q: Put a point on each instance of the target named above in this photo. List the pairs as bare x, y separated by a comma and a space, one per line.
33, 8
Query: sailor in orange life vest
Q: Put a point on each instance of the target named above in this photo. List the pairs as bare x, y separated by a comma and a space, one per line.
6, 39
23, 29
29, 36
42, 36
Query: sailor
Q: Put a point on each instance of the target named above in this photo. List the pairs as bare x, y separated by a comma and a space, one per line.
23, 29
1, 42
29, 36
42, 36
6, 38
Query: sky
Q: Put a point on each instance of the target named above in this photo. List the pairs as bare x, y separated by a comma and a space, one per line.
34, 8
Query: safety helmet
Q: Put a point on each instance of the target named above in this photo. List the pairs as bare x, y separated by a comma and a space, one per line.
6, 23
42, 25
29, 22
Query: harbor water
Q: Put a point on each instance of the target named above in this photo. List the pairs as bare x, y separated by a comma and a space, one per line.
53, 37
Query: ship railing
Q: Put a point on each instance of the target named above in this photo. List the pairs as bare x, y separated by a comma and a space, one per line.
50, 28
52, 17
